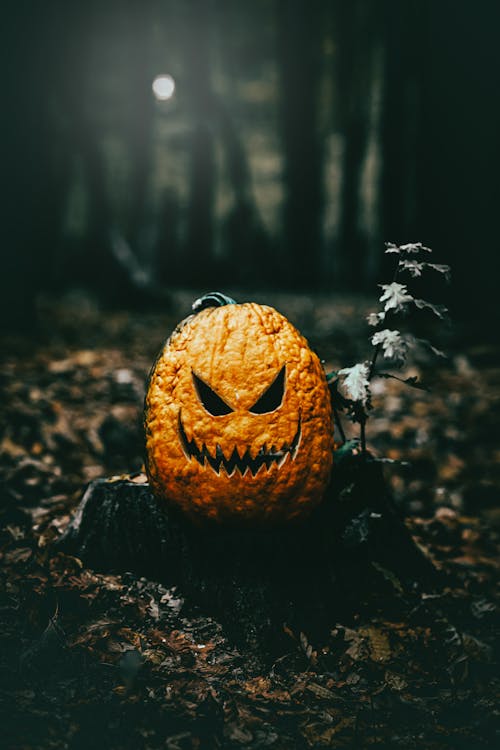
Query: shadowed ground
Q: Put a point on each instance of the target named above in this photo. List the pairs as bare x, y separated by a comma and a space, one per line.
124, 661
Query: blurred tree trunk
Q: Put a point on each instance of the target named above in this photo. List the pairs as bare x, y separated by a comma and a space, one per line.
299, 51
247, 252
459, 152
94, 266
357, 36
406, 49
31, 210
103, 262
140, 129
198, 262
247, 244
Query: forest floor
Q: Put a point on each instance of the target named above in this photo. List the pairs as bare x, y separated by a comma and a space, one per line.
108, 660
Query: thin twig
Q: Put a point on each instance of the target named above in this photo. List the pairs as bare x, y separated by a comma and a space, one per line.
336, 419
374, 361
362, 434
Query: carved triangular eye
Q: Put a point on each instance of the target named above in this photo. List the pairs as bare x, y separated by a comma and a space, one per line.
209, 398
272, 397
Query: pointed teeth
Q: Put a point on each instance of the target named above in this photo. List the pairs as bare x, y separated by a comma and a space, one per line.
242, 463
233, 462
281, 461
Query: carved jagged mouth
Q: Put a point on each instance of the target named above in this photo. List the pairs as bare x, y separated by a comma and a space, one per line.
235, 462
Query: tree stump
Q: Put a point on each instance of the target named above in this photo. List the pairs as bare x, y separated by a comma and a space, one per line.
307, 575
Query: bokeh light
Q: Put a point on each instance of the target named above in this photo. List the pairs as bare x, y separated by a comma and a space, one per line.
163, 87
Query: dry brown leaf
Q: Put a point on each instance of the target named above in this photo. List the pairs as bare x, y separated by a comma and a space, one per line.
380, 649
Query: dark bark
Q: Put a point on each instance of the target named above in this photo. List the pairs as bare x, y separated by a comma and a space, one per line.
308, 575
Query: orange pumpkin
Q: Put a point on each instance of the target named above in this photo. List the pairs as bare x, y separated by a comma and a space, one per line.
238, 416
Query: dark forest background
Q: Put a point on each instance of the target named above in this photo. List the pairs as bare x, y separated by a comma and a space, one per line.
301, 136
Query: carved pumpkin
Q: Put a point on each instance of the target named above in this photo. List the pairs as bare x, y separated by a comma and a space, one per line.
238, 416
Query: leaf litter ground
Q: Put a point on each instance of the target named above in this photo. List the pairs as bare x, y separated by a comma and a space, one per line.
118, 661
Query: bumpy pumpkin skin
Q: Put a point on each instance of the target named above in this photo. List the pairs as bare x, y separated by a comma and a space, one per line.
238, 350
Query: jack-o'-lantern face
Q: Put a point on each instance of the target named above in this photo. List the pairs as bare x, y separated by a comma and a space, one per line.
238, 417
238, 459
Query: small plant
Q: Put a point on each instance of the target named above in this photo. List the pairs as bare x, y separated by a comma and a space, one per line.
351, 386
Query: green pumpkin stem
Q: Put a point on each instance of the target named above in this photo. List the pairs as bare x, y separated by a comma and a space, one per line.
211, 299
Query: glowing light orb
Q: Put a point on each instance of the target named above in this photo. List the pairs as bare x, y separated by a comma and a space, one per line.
163, 87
